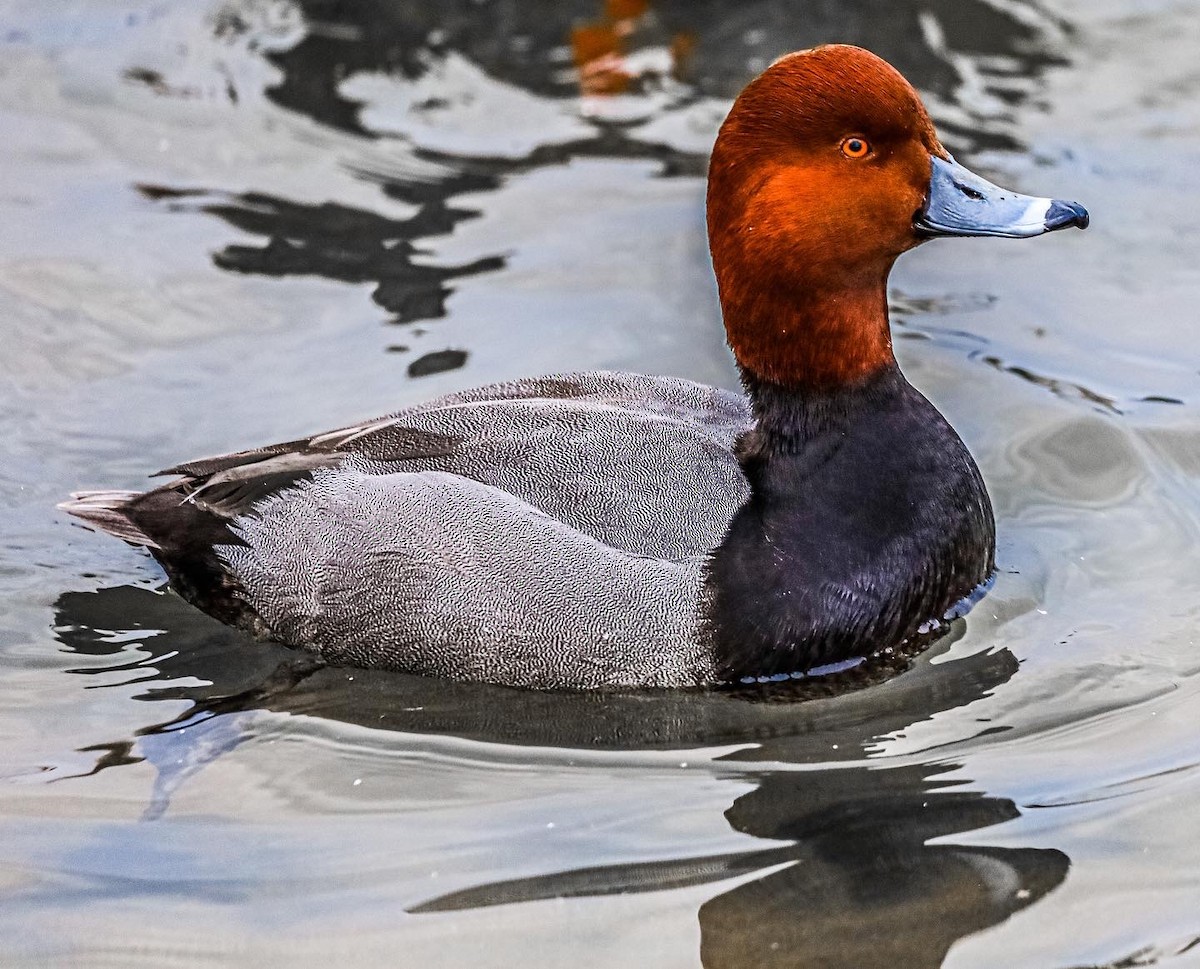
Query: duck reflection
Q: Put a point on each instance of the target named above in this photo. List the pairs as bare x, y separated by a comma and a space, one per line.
859, 868
866, 887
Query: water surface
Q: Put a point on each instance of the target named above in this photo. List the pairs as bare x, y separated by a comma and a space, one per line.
223, 223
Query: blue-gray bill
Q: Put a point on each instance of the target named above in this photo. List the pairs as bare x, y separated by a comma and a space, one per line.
961, 203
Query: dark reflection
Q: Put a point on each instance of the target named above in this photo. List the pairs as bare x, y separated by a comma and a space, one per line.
855, 882
1056, 385
865, 888
859, 886
523, 42
438, 361
342, 243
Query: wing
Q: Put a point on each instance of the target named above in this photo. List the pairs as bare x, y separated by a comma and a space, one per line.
434, 573
643, 464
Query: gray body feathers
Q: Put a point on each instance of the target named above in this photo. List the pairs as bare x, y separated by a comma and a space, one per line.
546, 532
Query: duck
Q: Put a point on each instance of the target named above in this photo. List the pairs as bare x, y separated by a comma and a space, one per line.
615, 530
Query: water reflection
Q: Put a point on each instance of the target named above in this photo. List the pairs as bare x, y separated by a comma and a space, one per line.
866, 887
458, 97
860, 884
342, 243
957, 50
859, 866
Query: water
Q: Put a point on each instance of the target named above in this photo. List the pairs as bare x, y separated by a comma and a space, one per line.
228, 223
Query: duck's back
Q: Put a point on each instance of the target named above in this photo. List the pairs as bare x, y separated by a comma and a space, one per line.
644, 464
546, 532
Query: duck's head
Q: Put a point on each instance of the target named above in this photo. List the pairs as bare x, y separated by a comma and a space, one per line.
826, 169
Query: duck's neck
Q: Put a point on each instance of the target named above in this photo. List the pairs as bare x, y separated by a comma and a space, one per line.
809, 333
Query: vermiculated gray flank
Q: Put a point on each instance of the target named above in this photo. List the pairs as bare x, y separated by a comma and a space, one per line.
529, 533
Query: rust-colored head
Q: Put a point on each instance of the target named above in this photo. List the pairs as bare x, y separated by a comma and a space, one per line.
814, 183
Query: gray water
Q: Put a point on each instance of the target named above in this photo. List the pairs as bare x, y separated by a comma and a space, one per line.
225, 223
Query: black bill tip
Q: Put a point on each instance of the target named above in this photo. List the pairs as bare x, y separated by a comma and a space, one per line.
1061, 214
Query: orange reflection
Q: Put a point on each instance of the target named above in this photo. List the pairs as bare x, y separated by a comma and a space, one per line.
625, 9
601, 48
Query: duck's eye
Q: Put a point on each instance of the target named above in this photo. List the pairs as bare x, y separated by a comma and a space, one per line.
855, 147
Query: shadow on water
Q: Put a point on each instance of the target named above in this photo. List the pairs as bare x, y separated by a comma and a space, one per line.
850, 876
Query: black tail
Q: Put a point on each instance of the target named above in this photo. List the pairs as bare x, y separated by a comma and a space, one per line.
108, 511
186, 522
183, 535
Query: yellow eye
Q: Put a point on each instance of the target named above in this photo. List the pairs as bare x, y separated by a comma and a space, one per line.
855, 147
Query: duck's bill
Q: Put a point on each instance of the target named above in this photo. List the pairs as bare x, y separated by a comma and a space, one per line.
960, 203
